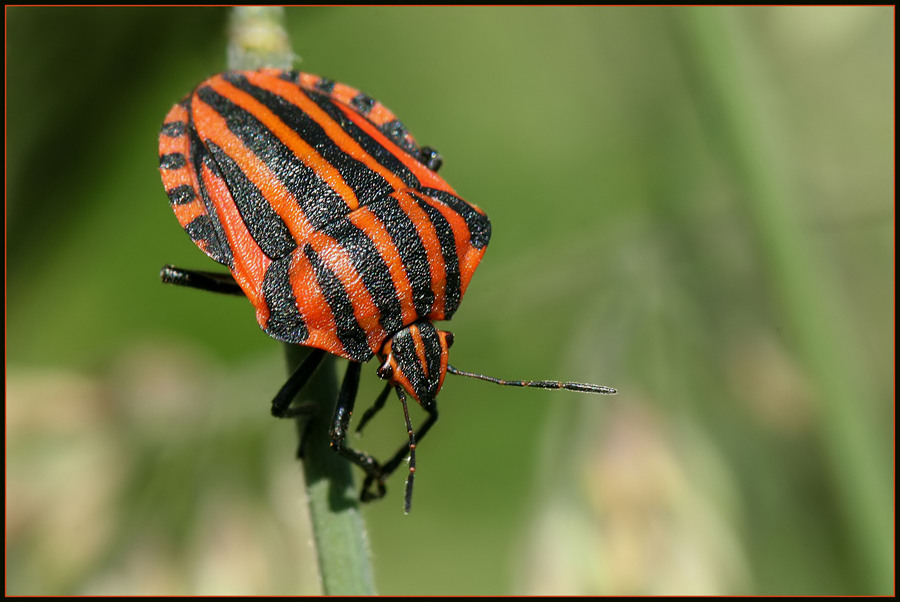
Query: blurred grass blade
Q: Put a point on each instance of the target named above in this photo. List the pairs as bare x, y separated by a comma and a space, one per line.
731, 93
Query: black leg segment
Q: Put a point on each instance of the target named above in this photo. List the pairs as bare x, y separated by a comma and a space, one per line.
340, 423
281, 405
215, 282
398, 458
376, 407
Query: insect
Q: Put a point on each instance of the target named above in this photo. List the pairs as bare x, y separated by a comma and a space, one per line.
333, 222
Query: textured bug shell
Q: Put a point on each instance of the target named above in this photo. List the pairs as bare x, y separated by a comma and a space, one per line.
319, 201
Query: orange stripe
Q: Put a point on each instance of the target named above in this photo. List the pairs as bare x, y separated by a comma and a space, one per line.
343, 93
188, 213
426, 177
306, 153
365, 311
467, 267
464, 248
307, 80
369, 224
210, 124
428, 236
250, 263
186, 176
332, 129
420, 348
173, 178
303, 151
313, 307
379, 114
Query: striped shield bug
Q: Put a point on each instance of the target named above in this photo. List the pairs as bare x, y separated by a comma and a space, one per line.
335, 225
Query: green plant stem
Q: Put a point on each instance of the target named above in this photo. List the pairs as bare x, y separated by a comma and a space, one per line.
257, 38
338, 529
732, 104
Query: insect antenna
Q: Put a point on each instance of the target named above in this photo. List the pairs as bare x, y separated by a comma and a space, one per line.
407, 502
539, 384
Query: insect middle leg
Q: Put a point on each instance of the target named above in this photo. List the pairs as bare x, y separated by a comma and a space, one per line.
281, 404
215, 282
343, 409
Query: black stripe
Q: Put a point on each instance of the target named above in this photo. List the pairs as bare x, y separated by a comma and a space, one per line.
373, 270
285, 322
398, 134
325, 85
318, 201
182, 195
378, 152
478, 223
290, 76
202, 230
172, 161
452, 293
267, 228
403, 348
366, 184
173, 129
217, 245
199, 229
431, 341
362, 103
412, 252
348, 331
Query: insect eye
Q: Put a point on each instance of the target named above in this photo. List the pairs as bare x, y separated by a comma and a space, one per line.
449, 338
385, 371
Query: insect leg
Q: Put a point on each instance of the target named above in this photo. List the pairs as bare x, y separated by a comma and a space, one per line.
379, 403
208, 281
281, 405
407, 449
340, 422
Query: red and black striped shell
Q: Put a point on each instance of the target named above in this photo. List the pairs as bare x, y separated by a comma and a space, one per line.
322, 206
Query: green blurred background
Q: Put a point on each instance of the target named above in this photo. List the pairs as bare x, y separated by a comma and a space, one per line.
692, 205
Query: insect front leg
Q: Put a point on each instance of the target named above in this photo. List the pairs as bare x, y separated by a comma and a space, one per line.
392, 464
376, 407
215, 282
340, 423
